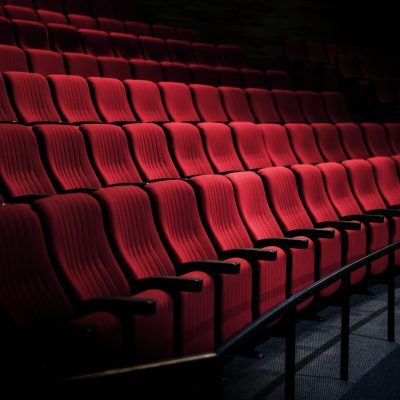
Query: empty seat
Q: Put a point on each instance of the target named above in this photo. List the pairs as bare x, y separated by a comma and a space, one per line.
72, 96
176, 72
250, 145
180, 51
352, 140
253, 78
236, 104
329, 143
52, 5
304, 143
204, 74
111, 25
369, 66
65, 38
206, 54
393, 132
336, 108
137, 28
278, 145
333, 50
20, 3
96, 43
51, 17
102, 8
178, 102
231, 56
6, 32
45, 62
12, 59
6, 112
147, 70
21, 170
187, 149
149, 148
82, 21
262, 105
278, 79
288, 106
77, 7
219, 146
111, 101
191, 35
66, 159
112, 67
376, 139
208, 103
31, 35
177, 215
126, 46
294, 51
89, 268
84, 65
154, 48
20, 13
312, 107
347, 66
32, 97
164, 31
109, 152
315, 52
146, 101
228, 76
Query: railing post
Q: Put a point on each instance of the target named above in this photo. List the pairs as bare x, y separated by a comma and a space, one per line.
290, 362
391, 298
345, 330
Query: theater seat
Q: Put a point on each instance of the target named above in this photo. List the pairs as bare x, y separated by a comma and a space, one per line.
376, 139
126, 46
112, 67
12, 59
52, 17
253, 78
45, 62
312, 107
236, 104
164, 31
228, 76
180, 51
204, 74
231, 56
6, 32
108, 24
31, 35
206, 54
176, 72
352, 140
329, 143
137, 28
336, 108
263, 107
96, 43
154, 48
83, 65
288, 106
146, 70
64, 38
82, 21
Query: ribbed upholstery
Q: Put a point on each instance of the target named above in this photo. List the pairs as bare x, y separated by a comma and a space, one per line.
335, 106
138, 28
20, 13
260, 223
154, 48
21, 171
65, 38
146, 101
235, 103
12, 59
328, 140
316, 201
111, 25
164, 31
339, 192
263, 106
126, 46
65, 155
6, 32
51, 17
312, 106
253, 78
82, 21
112, 67
288, 106
176, 72
393, 132
178, 102
178, 217
84, 65
191, 35
352, 140
219, 147
250, 145
278, 146
221, 217
180, 51
291, 214
206, 54
110, 99
208, 103
150, 151
73, 98
45, 62
303, 143
228, 76
187, 149
6, 112
96, 43
376, 139
32, 97
147, 70
204, 74
231, 56
53, 5
279, 79
109, 152
139, 248
74, 229
31, 35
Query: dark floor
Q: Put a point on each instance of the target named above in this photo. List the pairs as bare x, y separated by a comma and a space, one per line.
374, 362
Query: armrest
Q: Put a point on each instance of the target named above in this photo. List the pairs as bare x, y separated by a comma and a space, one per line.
386, 212
284, 243
139, 184
209, 267
312, 233
168, 283
341, 225
118, 305
364, 218
250, 254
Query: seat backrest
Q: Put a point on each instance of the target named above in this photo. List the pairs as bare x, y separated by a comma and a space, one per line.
112, 67
96, 43
110, 24
376, 139
219, 147
20, 13
329, 143
82, 21
154, 48
369, 66
108, 149
236, 104
191, 35
31, 97
73, 99
147, 70
348, 67
178, 102
312, 107
6, 32
304, 143
53, 5
111, 101
187, 149
21, 169
250, 145
278, 79
352, 140
231, 56
146, 101
45, 62
228, 76
12, 59
333, 50
253, 78
150, 152
208, 103
31, 35
125, 45
278, 145
65, 156
315, 52
294, 51
180, 51
83, 65
51, 17
393, 132
64, 38
336, 108
164, 31
176, 72
7, 114
288, 106
206, 54
204, 74
262, 105
138, 28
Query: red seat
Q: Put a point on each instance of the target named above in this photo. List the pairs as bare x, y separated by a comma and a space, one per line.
20, 13
12, 59
154, 48
96, 43
393, 132
228, 76
6, 32
315, 52
108, 24
288, 106
64, 38
146, 70
82, 21
231, 56
376, 139
312, 107
52, 5
77, 7
333, 50
204, 74
83, 65
206, 54
52, 17
102, 8
191, 35
236, 104
31, 35
180, 51
112, 67
176, 72
279, 79
126, 46
336, 108
45, 62
137, 28
329, 143
262, 105
164, 31
352, 140
7, 113
253, 78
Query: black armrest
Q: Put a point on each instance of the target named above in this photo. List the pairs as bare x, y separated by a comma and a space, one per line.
284, 243
168, 283
312, 233
386, 212
341, 225
209, 267
250, 254
118, 305
364, 218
